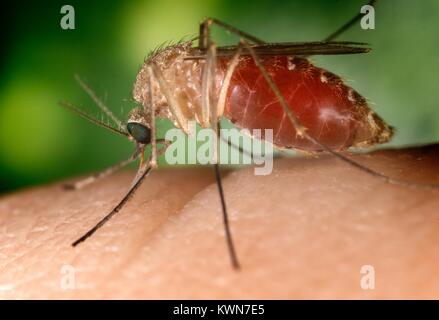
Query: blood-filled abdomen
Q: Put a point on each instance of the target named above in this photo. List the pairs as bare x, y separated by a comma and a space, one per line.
333, 113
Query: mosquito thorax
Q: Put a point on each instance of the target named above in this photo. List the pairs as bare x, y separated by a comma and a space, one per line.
138, 126
182, 78
169, 59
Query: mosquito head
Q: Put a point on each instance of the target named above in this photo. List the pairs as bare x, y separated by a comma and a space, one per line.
138, 126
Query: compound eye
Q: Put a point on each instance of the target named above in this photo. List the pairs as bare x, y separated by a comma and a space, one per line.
139, 132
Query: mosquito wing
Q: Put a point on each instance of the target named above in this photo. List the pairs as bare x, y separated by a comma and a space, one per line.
290, 48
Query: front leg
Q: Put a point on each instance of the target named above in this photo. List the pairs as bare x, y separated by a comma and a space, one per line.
174, 106
153, 161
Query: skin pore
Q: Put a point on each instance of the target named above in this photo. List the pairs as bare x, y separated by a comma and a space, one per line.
304, 231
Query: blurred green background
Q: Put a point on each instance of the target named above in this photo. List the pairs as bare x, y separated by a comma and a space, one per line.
41, 142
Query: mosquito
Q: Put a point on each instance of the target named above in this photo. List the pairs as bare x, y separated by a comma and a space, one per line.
254, 84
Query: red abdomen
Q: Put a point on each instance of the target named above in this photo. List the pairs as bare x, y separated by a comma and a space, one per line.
332, 112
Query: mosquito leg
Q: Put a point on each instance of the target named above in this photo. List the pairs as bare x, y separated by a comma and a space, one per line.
152, 124
348, 24
230, 244
223, 94
211, 106
99, 102
216, 125
207, 81
142, 172
302, 131
204, 36
233, 63
91, 179
182, 120
144, 169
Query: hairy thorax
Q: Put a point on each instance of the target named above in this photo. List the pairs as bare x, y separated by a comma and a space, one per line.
183, 79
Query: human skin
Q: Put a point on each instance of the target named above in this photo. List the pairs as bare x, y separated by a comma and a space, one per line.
304, 231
